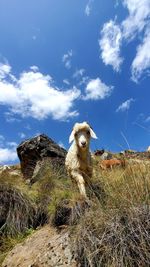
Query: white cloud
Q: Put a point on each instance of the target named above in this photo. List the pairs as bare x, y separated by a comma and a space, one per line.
10, 117
88, 8
8, 152
96, 89
110, 43
66, 59
78, 73
66, 82
139, 12
33, 95
113, 35
141, 61
34, 68
11, 144
125, 105
5, 69
7, 155
84, 80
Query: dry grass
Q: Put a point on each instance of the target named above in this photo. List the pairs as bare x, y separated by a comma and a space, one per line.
115, 229
16, 211
23, 207
116, 232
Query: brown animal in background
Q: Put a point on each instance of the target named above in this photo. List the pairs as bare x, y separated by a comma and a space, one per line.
110, 163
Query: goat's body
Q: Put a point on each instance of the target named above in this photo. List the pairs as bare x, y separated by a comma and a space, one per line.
79, 166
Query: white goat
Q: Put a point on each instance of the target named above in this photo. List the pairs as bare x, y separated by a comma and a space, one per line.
78, 160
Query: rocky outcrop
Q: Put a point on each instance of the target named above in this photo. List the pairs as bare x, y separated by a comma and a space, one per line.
103, 154
33, 151
45, 248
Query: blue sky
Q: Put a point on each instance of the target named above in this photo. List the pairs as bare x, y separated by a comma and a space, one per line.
70, 61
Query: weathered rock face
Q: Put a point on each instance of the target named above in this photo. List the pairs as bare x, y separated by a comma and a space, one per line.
34, 150
45, 248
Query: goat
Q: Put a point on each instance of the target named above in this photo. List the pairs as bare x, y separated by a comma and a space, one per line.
110, 163
78, 160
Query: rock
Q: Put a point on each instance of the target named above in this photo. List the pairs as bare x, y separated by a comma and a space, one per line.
45, 248
4, 167
106, 155
129, 151
99, 152
103, 154
32, 151
68, 213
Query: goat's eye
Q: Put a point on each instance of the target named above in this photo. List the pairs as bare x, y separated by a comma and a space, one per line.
88, 132
75, 134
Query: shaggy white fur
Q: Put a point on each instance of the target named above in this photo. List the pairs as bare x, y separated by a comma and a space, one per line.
78, 160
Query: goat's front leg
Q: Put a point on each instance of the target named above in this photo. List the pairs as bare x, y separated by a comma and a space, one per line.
80, 182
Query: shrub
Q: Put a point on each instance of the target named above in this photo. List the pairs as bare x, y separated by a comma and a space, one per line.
17, 213
114, 239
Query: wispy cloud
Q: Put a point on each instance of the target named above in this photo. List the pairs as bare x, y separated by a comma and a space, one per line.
88, 8
34, 37
78, 73
116, 3
66, 81
34, 68
66, 59
113, 35
33, 95
125, 105
22, 135
96, 89
5, 69
147, 119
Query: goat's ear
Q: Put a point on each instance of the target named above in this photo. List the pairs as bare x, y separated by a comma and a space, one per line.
93, 135
71, 138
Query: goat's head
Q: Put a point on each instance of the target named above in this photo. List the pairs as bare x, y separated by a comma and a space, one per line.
81, 133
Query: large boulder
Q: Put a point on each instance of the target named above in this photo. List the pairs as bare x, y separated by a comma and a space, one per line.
33, 151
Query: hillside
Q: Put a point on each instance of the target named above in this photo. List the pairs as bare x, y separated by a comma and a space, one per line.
45, 222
